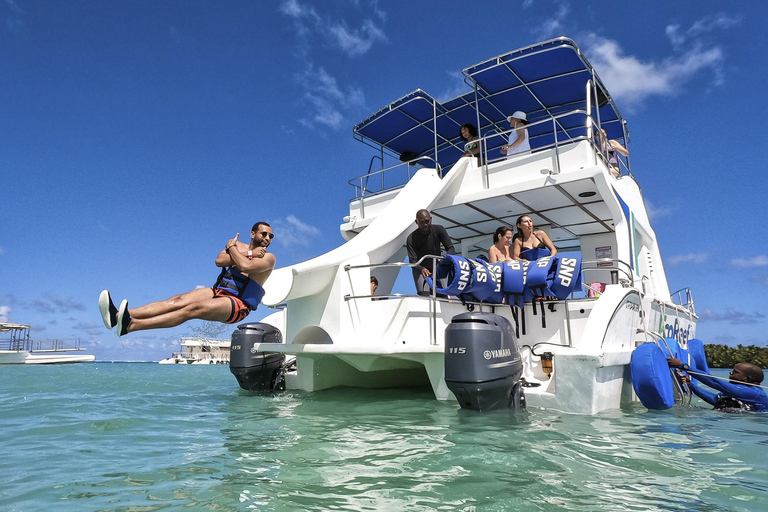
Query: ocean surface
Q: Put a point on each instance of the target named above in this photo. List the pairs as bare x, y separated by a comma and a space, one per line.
144, 437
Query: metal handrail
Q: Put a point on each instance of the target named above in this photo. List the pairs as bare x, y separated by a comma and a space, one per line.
433, 298
688, 299
361, 189
627, 272
683, 392
496, 133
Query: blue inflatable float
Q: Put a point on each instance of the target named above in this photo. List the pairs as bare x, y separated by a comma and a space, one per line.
651, 377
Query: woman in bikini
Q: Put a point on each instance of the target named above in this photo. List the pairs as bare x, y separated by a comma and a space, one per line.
500, 251
530, 244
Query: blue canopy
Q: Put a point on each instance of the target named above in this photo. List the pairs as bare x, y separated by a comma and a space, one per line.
543, 80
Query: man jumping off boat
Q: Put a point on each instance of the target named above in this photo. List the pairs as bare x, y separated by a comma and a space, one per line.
237, 291
742, 392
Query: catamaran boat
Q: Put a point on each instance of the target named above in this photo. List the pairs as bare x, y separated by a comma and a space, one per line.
574, 350
199, 350
16, 347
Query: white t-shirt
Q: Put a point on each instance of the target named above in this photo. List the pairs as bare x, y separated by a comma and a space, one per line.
524, 146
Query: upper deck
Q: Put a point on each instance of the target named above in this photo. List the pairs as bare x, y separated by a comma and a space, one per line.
562, 179
552, 82
564, 182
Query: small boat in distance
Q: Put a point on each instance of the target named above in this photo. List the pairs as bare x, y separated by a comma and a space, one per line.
198, 350
16, 347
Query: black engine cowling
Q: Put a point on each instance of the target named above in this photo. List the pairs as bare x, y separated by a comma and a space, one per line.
482, 362
256, 371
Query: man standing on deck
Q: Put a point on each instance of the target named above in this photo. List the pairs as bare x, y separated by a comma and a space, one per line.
742, 392
237, 291
426, 240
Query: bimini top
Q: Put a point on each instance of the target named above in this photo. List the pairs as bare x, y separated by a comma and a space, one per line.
542, 80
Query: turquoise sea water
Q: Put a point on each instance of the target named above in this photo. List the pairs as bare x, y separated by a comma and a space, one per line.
144, 437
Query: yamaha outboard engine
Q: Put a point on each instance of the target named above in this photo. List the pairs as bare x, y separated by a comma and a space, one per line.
482, 362
256, 371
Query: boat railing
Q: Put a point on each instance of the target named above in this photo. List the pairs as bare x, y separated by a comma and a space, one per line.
387, 179
42, 345
620, 271
556, 129
432, 298
615, 267
375, 182
599, 145
683, 297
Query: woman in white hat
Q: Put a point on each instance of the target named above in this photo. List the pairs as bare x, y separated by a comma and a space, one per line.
518, 138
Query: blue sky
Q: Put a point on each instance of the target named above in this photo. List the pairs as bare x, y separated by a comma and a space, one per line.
137, 137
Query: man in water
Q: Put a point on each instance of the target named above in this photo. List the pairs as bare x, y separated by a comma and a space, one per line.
742, 392
426, 240
237, 291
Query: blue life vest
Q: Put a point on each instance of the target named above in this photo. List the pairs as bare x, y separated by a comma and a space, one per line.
534, 253
457, 272
484, 283
538, 274
565, 275
232, 282
497, 274
514, 275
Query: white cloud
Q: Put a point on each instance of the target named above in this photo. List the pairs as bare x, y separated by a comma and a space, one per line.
327, 100
657, 212
296, 10
5, 314
691, 257
14, 6
731, 316
757, 261
357, 42
632, 80
456, 88
90, 328
720, 21
554, 26
291, 231
352, 41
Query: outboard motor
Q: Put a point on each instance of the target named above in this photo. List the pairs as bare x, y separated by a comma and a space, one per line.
482, 362
256, 371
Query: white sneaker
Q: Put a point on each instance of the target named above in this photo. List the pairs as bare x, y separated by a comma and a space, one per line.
123, 318
108, 309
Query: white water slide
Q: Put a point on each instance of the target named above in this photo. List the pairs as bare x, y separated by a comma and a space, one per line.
375, 244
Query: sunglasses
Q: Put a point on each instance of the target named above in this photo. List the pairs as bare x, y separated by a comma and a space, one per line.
265, 234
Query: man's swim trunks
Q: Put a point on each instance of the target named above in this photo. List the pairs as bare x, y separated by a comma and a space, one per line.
239, 309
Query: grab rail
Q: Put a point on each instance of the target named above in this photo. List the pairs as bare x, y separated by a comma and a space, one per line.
614, 270
361, 189
683, 391
433, 298
688, 304
44, 345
